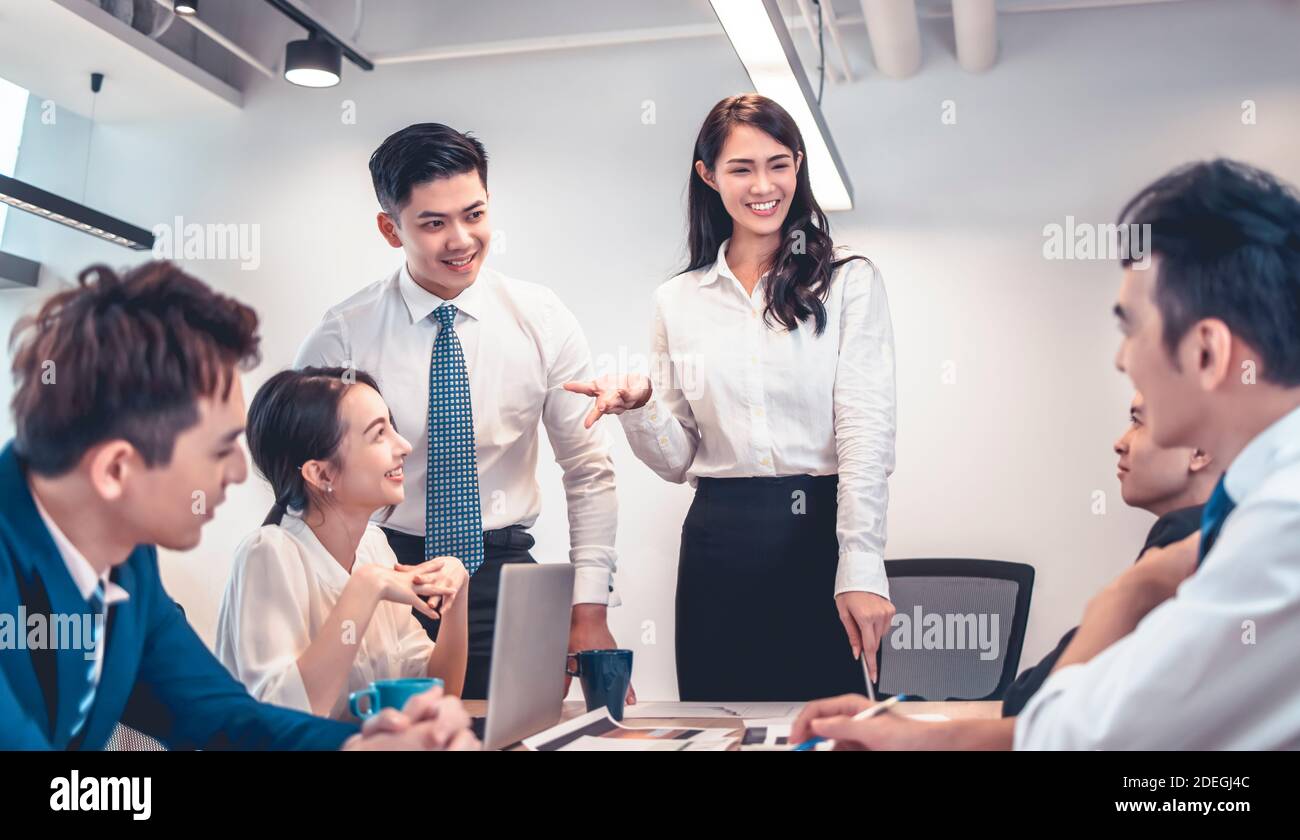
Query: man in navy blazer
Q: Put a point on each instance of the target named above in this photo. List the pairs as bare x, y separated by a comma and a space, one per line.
128, 408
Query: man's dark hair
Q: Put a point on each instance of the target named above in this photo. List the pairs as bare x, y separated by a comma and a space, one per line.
123, 358
418, 154
1227, 236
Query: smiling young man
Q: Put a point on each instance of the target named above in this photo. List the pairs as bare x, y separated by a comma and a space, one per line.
128, 408
1194, 647
471, 362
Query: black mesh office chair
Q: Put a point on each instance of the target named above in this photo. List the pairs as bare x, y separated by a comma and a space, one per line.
971, 599
126, 739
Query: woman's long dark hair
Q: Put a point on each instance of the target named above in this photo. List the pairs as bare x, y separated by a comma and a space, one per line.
294, 418
797, 283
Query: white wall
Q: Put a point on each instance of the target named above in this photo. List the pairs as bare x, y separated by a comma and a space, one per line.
1082, 109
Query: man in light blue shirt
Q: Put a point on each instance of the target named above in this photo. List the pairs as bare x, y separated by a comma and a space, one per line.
1194, 647
1196, 650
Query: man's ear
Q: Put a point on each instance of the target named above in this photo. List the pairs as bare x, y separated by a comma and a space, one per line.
110, 465
705, 174
1199, 461
1211, 342
388, 229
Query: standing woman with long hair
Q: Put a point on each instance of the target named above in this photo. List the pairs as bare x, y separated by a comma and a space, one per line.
772, 391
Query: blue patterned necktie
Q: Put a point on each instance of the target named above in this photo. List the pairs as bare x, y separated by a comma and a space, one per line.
1212, 517
96, 604
453, 523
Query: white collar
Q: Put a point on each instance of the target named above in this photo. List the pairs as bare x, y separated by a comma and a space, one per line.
1278, 444
421, 302
83, 574
720, 268
330, 570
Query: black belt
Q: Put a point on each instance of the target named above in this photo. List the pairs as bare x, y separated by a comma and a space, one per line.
512, 536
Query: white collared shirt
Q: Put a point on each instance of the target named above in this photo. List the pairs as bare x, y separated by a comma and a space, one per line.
743, 399
83, 576
521, 345
1214, 667
283, 585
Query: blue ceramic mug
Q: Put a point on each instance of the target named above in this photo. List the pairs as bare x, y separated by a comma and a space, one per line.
388, 694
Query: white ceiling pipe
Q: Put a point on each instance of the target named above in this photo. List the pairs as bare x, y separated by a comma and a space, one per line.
895, 36
833, 27
832, 72
975, 23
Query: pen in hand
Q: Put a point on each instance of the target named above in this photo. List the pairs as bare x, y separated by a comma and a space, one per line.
868, 712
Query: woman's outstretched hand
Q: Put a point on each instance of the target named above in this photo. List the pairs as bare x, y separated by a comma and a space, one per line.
614, 394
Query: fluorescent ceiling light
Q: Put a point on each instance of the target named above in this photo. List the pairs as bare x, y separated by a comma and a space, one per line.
758, 34
56, 208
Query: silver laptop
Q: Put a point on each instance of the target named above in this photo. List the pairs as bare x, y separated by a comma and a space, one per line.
526, 683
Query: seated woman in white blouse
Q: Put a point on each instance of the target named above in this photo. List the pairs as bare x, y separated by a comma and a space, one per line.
317, 606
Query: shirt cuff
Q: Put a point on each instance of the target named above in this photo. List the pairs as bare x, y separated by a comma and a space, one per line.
649, 417
861, 571
593, 583
285, 689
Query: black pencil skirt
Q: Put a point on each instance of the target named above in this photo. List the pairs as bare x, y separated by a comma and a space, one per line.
756, 616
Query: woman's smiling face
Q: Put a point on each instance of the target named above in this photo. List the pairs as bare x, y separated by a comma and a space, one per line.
756, 177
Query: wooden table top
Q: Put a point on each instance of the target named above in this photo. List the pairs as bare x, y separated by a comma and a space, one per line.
954, 709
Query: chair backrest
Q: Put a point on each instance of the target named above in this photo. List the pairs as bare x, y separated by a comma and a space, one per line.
126, 739
958, 628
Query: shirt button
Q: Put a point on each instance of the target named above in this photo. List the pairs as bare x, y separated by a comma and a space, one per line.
766, 461
663, 440
758, 412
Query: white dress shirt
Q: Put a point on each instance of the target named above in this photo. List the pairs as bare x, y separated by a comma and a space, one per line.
283, 586
1214, 667
521, 345
85, 579
739, 398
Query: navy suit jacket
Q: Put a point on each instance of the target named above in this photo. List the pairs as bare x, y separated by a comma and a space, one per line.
157, 676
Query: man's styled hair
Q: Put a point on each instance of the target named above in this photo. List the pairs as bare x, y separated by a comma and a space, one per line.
123, 358
1228, 238
418, 154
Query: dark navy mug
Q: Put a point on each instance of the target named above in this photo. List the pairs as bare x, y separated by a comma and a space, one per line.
605, 676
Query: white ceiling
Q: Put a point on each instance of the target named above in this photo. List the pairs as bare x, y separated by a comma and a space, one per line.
51, 47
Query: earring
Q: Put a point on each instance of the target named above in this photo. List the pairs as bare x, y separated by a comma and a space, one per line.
329, 488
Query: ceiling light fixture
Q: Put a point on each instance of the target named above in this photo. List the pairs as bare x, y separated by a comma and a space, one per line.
758, 33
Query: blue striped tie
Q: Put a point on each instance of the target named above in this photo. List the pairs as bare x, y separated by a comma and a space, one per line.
1212, 517
453, 523
96, 604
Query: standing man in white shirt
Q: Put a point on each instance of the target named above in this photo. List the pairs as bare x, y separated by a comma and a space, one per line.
471, 361
1194, 647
